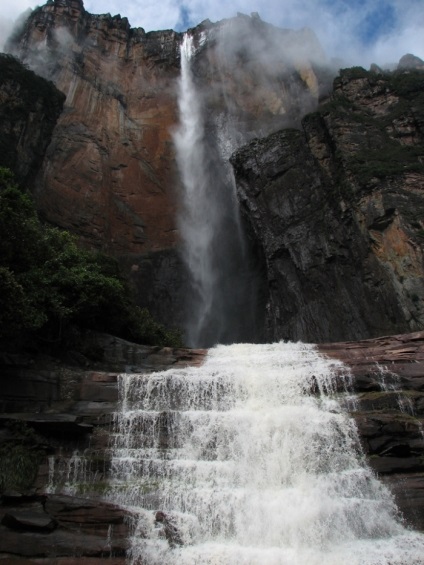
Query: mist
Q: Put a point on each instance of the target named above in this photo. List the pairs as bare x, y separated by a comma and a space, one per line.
359, 33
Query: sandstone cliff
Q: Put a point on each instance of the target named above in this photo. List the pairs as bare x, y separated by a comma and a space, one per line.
338, 208
110, 173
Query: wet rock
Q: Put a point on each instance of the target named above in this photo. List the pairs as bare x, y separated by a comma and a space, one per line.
390, 465
388, 373
408, 490
63, 527
30, 520
171, 532
51, 424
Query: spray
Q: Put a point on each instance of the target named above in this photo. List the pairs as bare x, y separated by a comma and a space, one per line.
251, 466
221, 304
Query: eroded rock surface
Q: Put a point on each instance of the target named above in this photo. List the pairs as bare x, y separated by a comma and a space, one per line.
338, 207
388, 377
66, 529
55, 426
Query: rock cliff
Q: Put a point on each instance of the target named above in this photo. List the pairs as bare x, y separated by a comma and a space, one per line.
338, 208
335, 208
29, 108
110, 173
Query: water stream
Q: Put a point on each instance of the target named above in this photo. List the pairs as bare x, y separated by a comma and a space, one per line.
252, 458
255, 462
222, 295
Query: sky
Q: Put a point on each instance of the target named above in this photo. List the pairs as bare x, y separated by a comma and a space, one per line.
360, 32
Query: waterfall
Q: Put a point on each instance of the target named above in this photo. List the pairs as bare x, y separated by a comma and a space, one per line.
221, 299
198, 209
254, 461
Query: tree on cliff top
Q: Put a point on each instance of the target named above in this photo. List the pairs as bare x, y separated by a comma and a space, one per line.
49, 287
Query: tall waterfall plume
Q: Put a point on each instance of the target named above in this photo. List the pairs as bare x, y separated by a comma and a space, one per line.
220, 306
253, 461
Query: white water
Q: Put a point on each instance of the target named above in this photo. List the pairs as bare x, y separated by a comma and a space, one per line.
209, 223
197, 219
253, 469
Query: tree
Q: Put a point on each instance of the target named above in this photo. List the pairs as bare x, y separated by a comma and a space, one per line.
49, 286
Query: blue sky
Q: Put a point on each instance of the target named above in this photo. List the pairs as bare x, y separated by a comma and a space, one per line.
359, 31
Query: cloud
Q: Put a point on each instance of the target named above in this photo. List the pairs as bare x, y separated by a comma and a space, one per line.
360, 31
10, 11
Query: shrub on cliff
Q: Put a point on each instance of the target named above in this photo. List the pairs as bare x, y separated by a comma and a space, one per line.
49, 286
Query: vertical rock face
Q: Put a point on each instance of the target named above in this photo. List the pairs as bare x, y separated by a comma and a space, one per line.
110, 173
29, 108
339, 208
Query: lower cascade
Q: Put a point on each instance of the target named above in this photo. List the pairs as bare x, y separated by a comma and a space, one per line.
252, 459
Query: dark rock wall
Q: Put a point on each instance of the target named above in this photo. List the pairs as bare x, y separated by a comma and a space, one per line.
29, 109
338, 208
55, 426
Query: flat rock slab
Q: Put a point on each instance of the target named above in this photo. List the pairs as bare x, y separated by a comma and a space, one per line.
33, 519
52, 424
63, 527
387, 349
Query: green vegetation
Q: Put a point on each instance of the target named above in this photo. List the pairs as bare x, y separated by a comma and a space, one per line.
391, 159
407, 83
51, 290
353, 73
383, 156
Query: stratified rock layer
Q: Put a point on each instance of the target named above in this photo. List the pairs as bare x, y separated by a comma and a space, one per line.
57, 420
110, 174
338, 208
63, 413
388, 377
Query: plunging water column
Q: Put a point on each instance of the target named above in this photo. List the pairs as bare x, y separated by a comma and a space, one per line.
256, 463
196, 216
222, 289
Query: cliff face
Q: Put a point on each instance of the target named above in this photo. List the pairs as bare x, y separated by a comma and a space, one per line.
110, 173
338, 208
335, 207
29, 108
